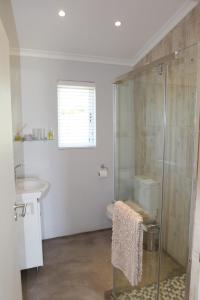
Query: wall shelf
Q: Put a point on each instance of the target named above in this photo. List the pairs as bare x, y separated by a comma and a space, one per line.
43, 141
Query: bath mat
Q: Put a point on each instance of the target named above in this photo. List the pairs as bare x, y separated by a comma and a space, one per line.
170, 289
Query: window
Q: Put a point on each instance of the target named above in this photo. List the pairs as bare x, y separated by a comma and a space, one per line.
76, 115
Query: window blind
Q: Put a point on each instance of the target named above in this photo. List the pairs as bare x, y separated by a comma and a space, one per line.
76, 115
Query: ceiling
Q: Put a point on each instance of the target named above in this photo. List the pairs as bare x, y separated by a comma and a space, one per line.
88, 29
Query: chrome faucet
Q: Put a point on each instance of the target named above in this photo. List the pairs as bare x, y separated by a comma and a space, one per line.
15, 169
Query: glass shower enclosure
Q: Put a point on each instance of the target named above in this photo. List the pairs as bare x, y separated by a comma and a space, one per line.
156, 143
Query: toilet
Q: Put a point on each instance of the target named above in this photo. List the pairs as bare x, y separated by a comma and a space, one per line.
146, 217
146, 194
145, 199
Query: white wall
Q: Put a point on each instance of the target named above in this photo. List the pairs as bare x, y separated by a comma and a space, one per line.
6, 15
10, 285
77, 198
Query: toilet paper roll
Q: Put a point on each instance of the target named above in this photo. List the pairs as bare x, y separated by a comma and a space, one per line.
103, 173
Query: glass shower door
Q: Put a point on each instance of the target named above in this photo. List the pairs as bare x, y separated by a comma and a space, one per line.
157, 126
180, 161
124, 140
139, 149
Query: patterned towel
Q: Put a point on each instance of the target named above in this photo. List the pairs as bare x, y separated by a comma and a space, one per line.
127, 242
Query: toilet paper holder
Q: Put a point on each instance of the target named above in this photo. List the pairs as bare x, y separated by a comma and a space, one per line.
103, 172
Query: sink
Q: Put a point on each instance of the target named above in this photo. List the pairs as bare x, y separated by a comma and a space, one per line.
29, 185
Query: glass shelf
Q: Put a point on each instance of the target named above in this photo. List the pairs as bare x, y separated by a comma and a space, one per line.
23, 141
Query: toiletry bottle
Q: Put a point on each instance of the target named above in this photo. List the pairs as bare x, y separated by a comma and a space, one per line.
50, 134
43, 134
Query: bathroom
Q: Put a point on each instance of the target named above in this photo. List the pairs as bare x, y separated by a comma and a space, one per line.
144, 146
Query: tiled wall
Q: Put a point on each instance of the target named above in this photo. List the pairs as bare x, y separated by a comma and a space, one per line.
185, 34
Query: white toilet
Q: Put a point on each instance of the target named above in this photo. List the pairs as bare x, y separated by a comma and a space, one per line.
109, 211
132, 204
146, 199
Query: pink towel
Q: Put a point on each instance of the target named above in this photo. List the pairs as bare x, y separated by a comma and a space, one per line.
127, 242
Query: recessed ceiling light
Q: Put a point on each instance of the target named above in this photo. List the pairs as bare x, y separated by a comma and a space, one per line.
118, 23
61, 13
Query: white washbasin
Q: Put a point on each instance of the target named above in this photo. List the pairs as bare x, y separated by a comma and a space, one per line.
29, 185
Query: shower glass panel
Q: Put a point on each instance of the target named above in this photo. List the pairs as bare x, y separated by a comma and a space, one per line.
157, 117
124, 141
180, 158
139, 166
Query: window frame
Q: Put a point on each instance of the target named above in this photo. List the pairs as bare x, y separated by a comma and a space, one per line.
77, 83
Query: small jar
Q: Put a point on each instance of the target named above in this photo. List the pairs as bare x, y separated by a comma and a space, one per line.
50, 134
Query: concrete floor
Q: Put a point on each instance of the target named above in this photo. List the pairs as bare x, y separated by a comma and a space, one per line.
75, 268
79, 268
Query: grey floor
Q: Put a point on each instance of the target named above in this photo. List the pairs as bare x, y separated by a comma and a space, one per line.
75, 268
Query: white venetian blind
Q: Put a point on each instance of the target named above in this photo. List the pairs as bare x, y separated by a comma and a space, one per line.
76, 115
